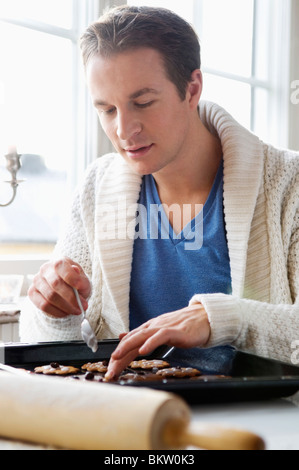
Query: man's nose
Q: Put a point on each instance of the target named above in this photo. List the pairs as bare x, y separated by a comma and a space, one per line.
127, 125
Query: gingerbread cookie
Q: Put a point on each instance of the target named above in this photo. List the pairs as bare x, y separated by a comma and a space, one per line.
101, 366
149, 364
56, 369
179, 372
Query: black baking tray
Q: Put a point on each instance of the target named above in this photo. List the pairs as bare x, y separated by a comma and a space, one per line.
250, 377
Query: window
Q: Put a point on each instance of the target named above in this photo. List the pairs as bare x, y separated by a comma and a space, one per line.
45, 112
245, 59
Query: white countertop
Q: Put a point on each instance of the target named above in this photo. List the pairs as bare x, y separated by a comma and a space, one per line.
276, 421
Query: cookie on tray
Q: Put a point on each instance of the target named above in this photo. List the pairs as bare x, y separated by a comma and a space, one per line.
100, 366
56, 369
149, 364
180, 372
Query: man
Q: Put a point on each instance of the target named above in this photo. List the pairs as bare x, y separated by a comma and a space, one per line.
237, 282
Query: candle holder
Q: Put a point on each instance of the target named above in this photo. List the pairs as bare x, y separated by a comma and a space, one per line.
13, 164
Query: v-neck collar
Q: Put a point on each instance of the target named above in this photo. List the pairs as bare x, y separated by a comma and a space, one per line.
188, 231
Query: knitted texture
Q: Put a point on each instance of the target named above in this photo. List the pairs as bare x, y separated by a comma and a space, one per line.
261, 210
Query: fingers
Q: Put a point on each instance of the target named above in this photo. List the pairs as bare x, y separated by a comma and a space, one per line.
127, 351
185, 328
73, 275
143, 341
133, 345
115, 367
52, 288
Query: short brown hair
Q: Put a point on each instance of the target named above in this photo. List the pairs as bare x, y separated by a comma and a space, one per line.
128, 27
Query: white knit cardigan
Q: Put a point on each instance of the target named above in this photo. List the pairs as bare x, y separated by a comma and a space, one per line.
261, 208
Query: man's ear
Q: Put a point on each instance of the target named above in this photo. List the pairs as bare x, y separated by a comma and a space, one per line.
194, 88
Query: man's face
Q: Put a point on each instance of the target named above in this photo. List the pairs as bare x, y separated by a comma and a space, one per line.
140, 109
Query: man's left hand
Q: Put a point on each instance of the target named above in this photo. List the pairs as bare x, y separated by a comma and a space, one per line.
185, 328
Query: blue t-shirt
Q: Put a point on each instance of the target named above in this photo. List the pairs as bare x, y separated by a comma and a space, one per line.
168, 269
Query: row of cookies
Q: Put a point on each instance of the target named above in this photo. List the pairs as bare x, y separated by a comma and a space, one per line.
143, 369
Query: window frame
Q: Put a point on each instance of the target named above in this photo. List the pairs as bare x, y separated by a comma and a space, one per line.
278, 84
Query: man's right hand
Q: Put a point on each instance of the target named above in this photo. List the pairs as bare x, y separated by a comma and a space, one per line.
52, 288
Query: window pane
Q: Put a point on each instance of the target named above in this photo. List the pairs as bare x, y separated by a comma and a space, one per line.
263, 35
36, 78
229, 94
226, 35
56, 12
35, 115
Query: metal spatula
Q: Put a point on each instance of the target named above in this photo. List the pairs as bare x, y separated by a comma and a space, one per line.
87, 332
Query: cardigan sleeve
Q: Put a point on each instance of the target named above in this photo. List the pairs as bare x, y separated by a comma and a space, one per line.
260, 328
264, 329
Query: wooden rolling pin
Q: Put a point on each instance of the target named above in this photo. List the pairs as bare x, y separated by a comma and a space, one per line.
81, 415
